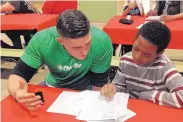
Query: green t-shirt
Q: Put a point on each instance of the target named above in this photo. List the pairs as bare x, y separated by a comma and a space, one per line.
65, 70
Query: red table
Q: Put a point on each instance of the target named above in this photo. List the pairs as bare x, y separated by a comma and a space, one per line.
125, 34
27, 21
146, 111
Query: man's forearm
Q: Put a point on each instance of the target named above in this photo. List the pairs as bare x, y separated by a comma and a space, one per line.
14, 84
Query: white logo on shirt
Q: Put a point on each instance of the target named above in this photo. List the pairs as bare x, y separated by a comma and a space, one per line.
76, 65
68, 68
60, 67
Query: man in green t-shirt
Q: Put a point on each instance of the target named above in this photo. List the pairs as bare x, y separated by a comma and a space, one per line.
77, 55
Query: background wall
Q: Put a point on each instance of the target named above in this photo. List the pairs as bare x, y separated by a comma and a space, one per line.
98, 11
101, 10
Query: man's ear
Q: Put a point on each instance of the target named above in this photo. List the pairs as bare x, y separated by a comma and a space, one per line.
60, 41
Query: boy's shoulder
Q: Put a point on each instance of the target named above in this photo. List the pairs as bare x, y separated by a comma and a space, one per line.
164, 59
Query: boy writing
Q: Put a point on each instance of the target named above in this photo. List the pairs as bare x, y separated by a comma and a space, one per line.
146, 73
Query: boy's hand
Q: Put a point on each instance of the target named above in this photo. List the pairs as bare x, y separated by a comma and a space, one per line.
108, 90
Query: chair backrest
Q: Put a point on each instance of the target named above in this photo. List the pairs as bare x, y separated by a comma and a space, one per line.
57, 7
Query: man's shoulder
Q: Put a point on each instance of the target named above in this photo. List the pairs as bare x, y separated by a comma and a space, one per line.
48, 34
45, 38
49, 30
99, 37
98, 34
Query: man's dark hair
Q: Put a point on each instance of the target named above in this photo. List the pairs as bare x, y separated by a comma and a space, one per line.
156, 33
73, 24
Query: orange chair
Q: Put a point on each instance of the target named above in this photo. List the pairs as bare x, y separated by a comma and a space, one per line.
57, 7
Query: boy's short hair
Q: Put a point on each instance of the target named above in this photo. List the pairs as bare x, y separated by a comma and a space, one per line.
156, 33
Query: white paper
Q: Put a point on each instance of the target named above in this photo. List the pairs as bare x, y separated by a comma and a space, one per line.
153, 18
103, 121
91, 107
97, 108
67, 103
129, 114
125, 117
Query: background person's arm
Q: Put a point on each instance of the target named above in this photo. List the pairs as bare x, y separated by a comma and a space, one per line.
7, 7
168, 18
10, 6
126, 10
178, 16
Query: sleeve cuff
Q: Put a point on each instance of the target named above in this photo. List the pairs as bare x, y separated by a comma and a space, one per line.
145, 95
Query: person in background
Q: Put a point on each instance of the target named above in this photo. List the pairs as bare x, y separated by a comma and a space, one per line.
147, 73
16, 7
168, 10
133, 9
78, 57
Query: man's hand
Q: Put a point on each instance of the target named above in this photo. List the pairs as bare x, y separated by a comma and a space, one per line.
108, 90
167, 18
28, 100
